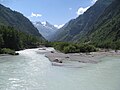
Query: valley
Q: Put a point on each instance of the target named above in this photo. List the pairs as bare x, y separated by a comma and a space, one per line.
60, 45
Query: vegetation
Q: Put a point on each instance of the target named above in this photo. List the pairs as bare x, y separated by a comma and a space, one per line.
102, 31
66, 47
7, 51
17, 20
98, 26
106, 33
16, 40
16, 32
77, 28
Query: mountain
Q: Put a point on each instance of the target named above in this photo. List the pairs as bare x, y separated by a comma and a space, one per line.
106, 30
46, 29
77, 28
17, 20
16, 40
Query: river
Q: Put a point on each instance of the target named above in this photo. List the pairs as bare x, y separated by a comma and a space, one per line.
32, 71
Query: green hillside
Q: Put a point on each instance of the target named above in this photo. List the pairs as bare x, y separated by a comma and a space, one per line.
106, 31
17, 32
16, 20
16, 40
78, 27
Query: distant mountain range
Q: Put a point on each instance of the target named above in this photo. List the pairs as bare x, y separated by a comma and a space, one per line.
17, 20
46, 29
99, 25
76, 29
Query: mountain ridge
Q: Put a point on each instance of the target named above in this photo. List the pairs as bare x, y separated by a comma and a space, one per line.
78, 27
45, 28
17, 20
106, 32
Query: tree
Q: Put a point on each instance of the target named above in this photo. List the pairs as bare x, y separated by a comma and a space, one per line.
1, 41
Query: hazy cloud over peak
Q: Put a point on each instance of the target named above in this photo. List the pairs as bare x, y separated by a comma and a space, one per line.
59, 26
81, 10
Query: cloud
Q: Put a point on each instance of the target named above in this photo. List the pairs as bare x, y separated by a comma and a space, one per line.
36, 15
81, 10
93, 1
70, 8
59, 26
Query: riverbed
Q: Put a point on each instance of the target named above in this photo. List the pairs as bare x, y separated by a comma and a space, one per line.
33, 71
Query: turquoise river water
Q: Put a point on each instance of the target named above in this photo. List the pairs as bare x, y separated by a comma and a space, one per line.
32, 71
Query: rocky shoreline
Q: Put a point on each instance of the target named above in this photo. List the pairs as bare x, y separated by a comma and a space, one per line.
60, 59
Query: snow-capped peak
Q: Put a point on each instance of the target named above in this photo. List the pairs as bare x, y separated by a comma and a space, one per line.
45, 28
44, 23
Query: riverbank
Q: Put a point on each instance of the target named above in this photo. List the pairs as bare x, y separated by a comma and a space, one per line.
7, 51
93, 57
33, 71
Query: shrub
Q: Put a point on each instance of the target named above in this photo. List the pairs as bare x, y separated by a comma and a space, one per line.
73, 48
8, 51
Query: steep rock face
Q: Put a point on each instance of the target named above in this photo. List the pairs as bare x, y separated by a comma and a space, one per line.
46, 29
17, 20
77, 28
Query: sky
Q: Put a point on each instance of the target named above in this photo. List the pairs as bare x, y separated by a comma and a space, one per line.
56, 12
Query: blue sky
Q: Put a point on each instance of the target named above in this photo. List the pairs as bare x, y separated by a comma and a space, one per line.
57, 12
